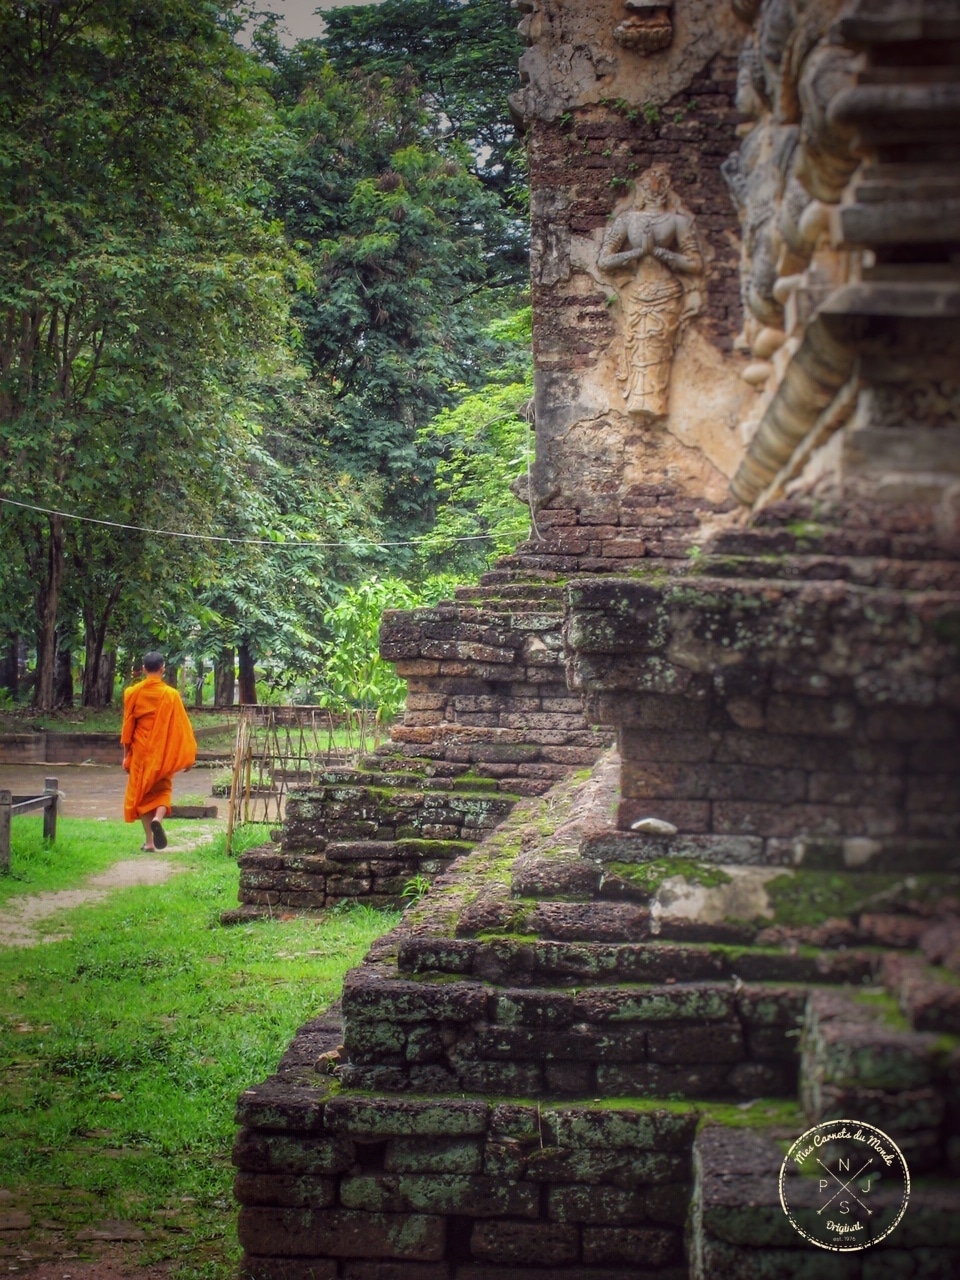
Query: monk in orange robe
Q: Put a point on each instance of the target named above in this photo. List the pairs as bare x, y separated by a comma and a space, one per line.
158, 742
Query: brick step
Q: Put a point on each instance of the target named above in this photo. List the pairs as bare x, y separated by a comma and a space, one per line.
809, 538
405, 797
396, 850
511, 962
411, 1183
521, 595
927, 996
271, 856
708, 1039
738, 1227
857, 1058
866, 571
563, 563
704, 904
414, 781
509, 577
855, 854
375, 778
378, 872
390, 761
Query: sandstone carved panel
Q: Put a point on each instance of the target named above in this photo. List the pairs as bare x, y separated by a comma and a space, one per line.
652, 254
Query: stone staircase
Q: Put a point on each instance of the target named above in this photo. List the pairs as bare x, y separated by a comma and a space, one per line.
554, 1068
368, 833
488, 719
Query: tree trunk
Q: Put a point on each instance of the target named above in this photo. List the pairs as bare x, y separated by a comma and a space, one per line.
198, 684
248, 677
106, 678
47, 605
97, 677
10, 666
224, 677
63, 681
171, 674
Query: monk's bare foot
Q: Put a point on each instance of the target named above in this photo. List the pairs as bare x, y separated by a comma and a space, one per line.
159, 835
147, 848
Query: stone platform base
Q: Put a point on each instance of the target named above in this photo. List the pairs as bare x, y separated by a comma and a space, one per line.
554, 1067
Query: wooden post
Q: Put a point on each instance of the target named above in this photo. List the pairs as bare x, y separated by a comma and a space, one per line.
6, 813
235, 781
51, 789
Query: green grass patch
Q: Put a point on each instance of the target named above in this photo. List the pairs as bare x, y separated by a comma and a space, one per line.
126, 1044
83, 847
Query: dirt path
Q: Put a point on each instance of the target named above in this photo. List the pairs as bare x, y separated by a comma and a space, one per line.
20, 918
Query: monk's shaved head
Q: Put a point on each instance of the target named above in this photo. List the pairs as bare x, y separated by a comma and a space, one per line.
153, 661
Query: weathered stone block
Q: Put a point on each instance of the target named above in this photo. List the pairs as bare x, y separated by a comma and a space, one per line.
642, 1130
402, 1117
620, 1167
366, 996
542, 1244
716, 1043
442, 1193
285, 1189
433, 1155
277, 1153
655, 1080
510, 1079
631, 1246
683, 1002
341, 1233
593, 1204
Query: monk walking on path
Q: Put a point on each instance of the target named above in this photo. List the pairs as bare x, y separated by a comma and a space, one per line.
158, 742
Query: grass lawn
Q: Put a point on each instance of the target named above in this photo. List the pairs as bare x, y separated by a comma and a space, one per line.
123, 1047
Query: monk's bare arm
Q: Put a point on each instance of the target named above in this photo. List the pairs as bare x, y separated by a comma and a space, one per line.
129, 725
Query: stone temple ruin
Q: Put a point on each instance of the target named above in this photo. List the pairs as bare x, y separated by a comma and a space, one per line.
685, 769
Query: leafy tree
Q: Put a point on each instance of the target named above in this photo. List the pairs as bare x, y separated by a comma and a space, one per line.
463, 55
354, 674
487, 445
267, 601
140, 287
392, 228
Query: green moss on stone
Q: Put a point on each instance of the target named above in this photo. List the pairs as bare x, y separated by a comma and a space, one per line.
650, 875
811, 897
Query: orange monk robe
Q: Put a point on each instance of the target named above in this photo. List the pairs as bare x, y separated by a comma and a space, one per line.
157, 732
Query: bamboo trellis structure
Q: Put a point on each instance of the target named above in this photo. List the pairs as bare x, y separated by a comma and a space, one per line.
280, 747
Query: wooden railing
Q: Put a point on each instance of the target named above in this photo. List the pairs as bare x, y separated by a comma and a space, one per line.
12, 806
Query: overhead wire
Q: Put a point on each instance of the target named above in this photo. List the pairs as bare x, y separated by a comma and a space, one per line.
219, 537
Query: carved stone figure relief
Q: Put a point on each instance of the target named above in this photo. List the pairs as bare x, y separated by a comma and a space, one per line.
653, 256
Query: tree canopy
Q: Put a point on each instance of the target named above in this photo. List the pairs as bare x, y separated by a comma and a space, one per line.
241, 292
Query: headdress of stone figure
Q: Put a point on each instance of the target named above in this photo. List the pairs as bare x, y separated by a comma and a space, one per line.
652, 253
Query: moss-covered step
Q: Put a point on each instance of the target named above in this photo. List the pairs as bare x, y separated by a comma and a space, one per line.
531, 961
738, 1227
861, 1057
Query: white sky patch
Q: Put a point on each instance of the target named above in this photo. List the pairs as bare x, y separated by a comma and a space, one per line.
303, 19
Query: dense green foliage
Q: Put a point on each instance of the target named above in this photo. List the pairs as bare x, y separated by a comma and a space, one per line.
252, 294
